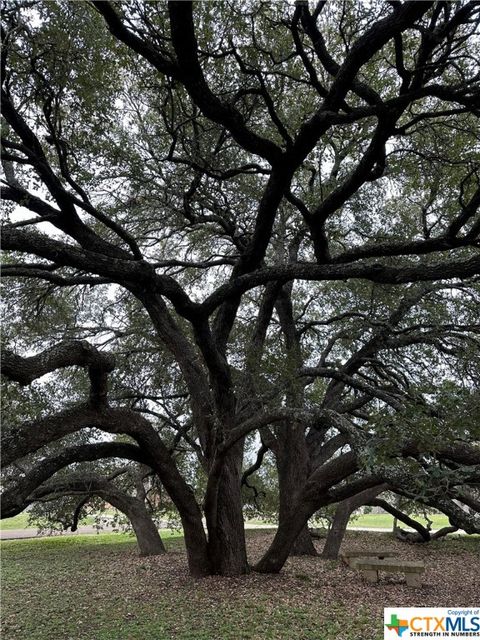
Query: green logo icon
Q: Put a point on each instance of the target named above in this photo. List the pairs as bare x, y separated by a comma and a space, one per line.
397, 625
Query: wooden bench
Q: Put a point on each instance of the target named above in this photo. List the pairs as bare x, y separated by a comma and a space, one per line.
370, 568
350, 557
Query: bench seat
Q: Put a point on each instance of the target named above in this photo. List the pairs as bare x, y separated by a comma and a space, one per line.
350, 556
370, 568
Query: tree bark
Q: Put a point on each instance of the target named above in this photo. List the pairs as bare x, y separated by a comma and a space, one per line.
148, 539
337, 530
293, 460
306, 503
293, 467
423, 532
223, 509
287, 533
441, 533
303, 545
342, 516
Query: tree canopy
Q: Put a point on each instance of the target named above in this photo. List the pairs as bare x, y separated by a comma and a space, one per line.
255, 227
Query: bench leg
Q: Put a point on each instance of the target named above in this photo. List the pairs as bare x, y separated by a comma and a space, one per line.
370, 576
414, 579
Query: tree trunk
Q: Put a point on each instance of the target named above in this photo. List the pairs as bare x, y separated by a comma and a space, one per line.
303, 509
223, 509
303, 545
148, 538
195, 540
297, 502
340, 520
292, 457
287, 533
293, 467
337, 530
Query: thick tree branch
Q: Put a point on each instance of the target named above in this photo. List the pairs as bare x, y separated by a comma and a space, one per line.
14, 496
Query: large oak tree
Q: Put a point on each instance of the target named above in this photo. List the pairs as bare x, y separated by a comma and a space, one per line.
208, 177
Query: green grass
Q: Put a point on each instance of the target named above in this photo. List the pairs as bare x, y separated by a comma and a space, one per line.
382, 521
21, 522
97, 588
17, 522
385, 521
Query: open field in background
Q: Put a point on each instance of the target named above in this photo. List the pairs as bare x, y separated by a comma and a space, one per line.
385, 521
21, 522
381, 521
17, 522
98, 588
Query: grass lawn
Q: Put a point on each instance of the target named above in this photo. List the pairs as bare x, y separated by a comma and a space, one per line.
21, 522
385, 521
17, 522
98, 588
382, 521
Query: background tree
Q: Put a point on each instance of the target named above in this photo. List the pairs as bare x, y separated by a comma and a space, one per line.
63, 501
